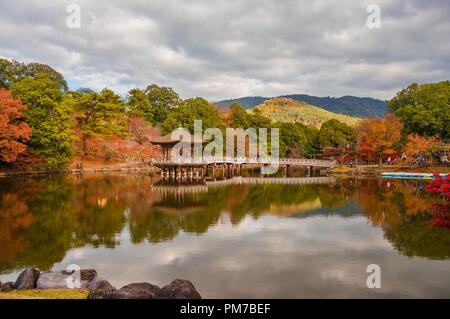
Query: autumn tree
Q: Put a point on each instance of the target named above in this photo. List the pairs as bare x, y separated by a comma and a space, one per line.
441, 186
98, 114
49, 118
380, 135
14, 131
419, 145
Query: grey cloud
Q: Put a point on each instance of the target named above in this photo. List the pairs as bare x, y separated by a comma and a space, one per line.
222, 49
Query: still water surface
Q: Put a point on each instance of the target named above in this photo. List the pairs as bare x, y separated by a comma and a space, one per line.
239, 240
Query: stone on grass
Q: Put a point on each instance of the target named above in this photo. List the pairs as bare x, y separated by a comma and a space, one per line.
142, 290
62, 279
100, 288
179, 289
27, 279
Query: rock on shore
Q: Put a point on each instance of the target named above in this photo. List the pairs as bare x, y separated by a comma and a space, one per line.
100, 288
179, 289
60, 279
141, 290
27, 279
6, 286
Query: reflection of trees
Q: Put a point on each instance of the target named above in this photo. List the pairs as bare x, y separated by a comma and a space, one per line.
158, 225
155, 227
402, 209
387, 203
270, 198
15, 219
337, 194
414, 237
69, 212
42, 218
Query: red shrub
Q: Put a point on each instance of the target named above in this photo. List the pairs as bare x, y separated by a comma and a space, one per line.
441, 186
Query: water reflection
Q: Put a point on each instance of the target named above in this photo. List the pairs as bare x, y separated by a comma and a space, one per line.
44, 220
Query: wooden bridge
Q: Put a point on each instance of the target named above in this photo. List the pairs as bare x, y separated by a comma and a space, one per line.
198, 166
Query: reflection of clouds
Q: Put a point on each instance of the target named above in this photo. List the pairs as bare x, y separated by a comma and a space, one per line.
335, 274
78, 253
287, 257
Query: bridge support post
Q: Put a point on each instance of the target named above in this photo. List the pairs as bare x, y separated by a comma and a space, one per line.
240, 169
214, 171
223, 171
262, 174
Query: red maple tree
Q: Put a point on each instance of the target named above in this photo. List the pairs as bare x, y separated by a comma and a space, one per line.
14, 131
441, 186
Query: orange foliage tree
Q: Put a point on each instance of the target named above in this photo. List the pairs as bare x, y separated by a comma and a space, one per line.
135, 145
14, 131
379, 135
418, 145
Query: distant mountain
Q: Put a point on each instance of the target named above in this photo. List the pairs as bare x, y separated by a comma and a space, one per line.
292, 111
349, 105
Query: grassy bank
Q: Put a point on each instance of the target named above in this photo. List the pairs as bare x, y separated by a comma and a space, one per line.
45, 294
375, 170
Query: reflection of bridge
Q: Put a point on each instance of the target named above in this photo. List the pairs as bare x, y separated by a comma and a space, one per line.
183, 189
198, 166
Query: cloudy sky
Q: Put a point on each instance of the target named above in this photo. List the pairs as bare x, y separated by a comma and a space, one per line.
223, 49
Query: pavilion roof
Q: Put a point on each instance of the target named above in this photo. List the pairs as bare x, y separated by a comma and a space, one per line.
168, 140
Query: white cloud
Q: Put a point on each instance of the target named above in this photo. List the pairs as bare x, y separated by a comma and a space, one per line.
221, 49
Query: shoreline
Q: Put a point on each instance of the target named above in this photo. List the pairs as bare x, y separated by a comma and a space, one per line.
34, 284
378, 170
104, 169
371, 170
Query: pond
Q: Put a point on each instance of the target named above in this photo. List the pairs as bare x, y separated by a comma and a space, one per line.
244, 238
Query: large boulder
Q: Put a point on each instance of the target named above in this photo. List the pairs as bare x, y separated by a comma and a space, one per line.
179, 289
61, 279
27, 279
7, 286
142, 290
100, 288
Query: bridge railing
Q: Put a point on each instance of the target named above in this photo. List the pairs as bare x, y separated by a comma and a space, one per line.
207, 160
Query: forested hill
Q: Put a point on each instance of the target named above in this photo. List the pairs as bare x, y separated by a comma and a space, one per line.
349, 105
287, 110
